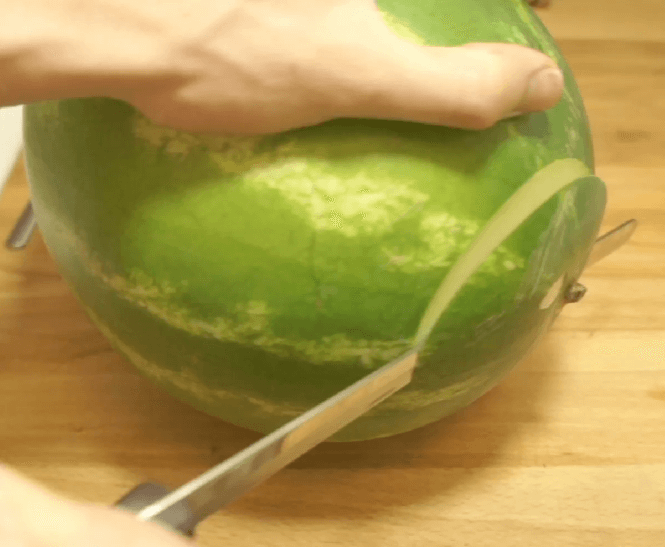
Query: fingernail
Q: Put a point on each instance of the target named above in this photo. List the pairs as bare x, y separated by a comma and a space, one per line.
544, 89
543, 92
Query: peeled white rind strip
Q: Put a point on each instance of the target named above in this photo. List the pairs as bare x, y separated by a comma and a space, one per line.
519, 207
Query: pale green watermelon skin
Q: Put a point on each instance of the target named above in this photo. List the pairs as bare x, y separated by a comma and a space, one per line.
253, 277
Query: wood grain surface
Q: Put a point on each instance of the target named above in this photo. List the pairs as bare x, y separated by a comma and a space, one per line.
568, 451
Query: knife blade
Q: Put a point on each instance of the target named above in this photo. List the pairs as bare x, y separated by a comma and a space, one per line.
182, 509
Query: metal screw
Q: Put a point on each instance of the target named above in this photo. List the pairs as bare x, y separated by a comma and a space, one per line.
574, 293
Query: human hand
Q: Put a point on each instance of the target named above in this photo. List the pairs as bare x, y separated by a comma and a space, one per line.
261, 66
257, 66
31, 516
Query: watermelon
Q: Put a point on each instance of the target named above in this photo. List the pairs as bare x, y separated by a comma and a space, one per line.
253, 277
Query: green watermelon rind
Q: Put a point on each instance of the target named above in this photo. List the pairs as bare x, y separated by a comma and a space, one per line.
301, 297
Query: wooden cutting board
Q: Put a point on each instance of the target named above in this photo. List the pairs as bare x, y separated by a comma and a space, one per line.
569, 450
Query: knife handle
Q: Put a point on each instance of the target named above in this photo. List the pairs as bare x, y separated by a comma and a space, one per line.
178, 518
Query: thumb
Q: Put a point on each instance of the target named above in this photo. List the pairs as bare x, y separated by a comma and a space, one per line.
471, 86
33, 517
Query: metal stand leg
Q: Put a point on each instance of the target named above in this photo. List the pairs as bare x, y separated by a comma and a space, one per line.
23, 229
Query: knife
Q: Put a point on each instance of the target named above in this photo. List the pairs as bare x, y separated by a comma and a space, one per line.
182, 509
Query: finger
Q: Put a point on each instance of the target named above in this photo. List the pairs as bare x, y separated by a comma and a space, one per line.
31, 516
471, 86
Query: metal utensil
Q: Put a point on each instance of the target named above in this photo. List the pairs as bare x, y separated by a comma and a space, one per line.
610, 241
182, 509
22, 232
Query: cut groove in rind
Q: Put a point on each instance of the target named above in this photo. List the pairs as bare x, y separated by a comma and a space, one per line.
520, 206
